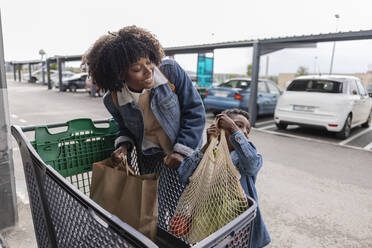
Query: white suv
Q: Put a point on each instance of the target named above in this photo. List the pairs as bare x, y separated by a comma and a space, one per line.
334, 103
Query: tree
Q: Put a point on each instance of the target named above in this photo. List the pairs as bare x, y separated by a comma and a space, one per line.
42, 53
53, 66
249, 70
302, 71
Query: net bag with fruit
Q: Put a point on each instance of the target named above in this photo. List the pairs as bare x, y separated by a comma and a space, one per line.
213, 198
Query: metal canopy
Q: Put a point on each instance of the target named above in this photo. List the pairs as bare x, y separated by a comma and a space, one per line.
69, 58
340, 36
266, 46
260, 47
26, 62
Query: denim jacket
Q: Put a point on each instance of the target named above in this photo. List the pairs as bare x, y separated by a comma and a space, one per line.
248, 162
181, 113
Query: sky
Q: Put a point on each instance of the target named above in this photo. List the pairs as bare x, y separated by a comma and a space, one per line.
70, 27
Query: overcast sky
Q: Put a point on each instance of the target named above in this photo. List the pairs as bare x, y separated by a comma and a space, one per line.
69, 27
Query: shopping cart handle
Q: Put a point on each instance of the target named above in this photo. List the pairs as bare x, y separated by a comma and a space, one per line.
63, 124
98, 219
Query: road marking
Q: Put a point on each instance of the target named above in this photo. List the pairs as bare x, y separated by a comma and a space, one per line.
368, 147
293, 136
14, 116
354, 137
311, 139
23, 121
267, 127
264, 122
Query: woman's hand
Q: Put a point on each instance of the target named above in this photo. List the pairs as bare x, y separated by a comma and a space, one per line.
226, 123
116, 155
173, 160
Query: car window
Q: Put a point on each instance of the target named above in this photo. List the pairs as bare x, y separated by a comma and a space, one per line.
361, 88
230, 84
353, 89
369, 87
262, 87
315, 85
244, 84
273, 89
67, 74
37, 74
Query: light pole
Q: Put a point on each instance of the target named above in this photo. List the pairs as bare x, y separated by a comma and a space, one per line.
42, 53
337, 16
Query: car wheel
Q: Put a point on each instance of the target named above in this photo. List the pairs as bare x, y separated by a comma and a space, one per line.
368, 123
281, 126
345, 132
73, 87
33, 80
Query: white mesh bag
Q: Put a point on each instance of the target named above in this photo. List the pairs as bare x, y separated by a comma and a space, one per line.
213, 198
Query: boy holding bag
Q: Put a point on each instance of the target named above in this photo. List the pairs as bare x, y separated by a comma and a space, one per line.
244, 156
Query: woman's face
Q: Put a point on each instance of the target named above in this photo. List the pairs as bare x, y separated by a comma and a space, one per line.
140, 75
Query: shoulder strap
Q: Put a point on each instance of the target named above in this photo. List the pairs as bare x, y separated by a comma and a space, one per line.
113, 96
173, 88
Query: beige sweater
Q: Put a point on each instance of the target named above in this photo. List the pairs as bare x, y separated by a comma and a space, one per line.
154, 134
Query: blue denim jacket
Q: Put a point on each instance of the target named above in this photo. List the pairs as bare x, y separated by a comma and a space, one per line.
248, 162
181, 113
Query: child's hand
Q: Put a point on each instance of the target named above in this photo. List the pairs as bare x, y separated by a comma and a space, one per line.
226, 123
212, 131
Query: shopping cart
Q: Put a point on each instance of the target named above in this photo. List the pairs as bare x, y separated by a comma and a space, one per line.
57, 168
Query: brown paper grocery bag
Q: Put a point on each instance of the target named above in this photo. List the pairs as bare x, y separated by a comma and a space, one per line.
133, 198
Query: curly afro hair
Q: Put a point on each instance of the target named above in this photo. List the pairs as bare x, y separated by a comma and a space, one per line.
235, 111
112, 54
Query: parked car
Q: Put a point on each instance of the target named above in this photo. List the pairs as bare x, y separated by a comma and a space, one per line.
72, 83
235, 93
369, 90
334, 103
37, 76
88, 85
65, 76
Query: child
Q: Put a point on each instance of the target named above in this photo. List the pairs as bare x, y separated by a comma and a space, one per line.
244, 155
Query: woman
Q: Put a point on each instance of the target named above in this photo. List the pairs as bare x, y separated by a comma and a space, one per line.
158, 111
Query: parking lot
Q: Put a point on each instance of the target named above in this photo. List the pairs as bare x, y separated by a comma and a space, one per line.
360, 138
314, 191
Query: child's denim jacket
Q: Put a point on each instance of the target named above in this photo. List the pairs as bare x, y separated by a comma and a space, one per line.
248, 162
181, 113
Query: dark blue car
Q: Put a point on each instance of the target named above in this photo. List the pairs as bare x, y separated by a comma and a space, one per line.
235, 93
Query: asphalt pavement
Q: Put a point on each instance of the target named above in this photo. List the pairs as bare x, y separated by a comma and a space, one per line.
313, 191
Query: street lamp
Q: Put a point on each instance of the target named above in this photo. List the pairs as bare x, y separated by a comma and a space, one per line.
337, 16
42, 53
315, 64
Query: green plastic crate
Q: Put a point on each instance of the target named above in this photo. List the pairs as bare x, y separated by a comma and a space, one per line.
73, 151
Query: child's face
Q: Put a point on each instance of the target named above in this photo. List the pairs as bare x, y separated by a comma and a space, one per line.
140, 75
243, 124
